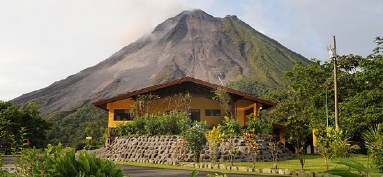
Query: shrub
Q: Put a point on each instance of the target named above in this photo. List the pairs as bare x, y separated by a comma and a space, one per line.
85, 165
352, 164
261, 127
152, 125
231, 126
333, 143
80, 146
126, 129
214, 137
172, 123
62, 162
35, 162
251, 139
195, 138
183, 122
374, 143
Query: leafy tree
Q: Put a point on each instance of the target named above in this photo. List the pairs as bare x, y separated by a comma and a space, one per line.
363, 108
224, 99
360, 99
299, 108
21, 127
249, 85
298, 131
68, 126
36, 127
140, 107
295, 119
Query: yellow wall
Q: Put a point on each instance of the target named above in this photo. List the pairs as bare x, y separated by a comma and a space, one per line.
315, 140
242, 106
121, 104
162, 105
240, 115
202, 104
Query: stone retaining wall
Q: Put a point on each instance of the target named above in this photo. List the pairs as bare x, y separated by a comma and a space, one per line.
172, 149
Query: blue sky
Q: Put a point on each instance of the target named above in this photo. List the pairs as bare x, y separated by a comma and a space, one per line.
43, 41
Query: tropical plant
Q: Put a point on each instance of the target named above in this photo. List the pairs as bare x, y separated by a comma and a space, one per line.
56, 161
214, 137
85, 166
251, 139
229, 141
90, 143
196, 139
229, 129
194, 173
274, 148
172, 123
231, 126
332, 143
260, 126
374, 142
39, 161
352, 164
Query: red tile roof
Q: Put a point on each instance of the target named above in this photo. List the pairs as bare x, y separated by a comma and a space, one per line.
183, 84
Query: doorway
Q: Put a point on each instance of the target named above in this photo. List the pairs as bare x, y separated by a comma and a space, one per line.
195, 115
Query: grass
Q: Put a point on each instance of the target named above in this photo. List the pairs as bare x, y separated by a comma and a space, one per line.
314, 163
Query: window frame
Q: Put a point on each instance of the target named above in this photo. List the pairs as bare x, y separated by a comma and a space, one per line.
213, 112
124, 115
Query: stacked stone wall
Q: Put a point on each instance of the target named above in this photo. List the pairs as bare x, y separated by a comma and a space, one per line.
172, 149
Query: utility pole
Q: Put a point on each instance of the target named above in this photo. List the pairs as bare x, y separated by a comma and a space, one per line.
332, 52
326, 109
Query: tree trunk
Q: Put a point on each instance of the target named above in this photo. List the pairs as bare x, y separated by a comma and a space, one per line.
301, 161
196, 156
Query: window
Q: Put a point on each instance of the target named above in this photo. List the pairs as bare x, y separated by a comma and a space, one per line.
122, 114
212, 112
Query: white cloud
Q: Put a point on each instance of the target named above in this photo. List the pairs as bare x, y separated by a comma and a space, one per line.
307, 27
42, 41
45, 41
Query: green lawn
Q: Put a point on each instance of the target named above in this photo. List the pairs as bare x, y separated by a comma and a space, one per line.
314, 163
